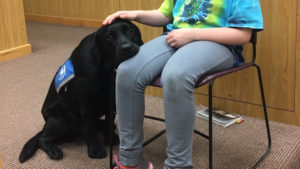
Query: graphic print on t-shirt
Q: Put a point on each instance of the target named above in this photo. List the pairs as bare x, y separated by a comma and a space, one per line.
196, 10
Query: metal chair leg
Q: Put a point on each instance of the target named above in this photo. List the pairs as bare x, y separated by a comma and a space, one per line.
210, 125
264, 104
266, 118
111, 138
111, 117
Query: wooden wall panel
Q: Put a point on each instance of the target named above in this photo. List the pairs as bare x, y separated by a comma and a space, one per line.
89, 9
297, 86
276, 52
87, 13
276, 56
12, 24
13, 36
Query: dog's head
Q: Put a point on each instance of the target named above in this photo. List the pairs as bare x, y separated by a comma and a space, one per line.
119, 41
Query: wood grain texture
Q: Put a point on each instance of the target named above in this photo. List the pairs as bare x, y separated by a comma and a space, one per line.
91, 23
12, 24
13, 53
297, 86
276, 56
13, 34
85, 9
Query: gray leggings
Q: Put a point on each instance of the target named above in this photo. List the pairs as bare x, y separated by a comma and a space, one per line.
180, 70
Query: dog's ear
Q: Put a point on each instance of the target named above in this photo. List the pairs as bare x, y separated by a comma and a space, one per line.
140, 41
99, 34
138, 35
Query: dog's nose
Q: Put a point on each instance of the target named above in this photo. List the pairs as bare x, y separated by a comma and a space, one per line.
126, 47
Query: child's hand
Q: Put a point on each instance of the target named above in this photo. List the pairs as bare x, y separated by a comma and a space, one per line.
179, 37
129, 15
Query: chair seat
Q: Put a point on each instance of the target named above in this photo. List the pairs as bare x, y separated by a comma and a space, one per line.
207, 78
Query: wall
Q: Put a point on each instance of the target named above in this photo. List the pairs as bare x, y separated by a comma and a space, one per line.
277, 57
278, 53
13, 37
88, 13
297, 76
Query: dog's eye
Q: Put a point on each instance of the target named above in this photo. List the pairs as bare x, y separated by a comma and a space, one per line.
129, 31
109, 36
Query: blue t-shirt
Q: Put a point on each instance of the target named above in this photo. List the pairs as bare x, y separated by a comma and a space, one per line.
215, 13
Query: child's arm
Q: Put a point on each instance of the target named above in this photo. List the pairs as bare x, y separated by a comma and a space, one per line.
152, 17
228, 36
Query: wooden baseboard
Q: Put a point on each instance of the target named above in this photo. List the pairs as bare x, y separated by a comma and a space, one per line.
14, 53
0, 164
64, 20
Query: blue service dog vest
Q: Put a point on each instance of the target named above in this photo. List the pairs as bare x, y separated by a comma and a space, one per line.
65, 74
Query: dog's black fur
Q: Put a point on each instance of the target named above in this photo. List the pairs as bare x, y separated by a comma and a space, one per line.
77, 108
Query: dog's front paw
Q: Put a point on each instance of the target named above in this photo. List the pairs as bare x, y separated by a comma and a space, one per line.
55, 153
96, 152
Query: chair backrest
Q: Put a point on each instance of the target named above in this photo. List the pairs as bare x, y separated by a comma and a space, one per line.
253, 40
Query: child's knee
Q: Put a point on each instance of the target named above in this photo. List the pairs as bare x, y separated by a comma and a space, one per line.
124, 73
176, 81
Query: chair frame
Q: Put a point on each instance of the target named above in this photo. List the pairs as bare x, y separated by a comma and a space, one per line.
202, 81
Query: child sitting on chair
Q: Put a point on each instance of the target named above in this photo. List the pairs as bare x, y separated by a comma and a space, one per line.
203, 36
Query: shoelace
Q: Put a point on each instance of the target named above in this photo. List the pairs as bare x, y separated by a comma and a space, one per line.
117, 162
118, 166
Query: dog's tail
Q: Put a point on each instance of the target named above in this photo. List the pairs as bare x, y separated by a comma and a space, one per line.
30, 148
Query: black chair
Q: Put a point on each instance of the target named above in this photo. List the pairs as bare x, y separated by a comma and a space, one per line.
210, 79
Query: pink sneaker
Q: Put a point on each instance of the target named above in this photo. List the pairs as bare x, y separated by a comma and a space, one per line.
119, 166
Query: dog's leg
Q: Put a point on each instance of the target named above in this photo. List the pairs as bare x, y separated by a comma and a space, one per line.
90, 120
105, 129
88, 103
53, 132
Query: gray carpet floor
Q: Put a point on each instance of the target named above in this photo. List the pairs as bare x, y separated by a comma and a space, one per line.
24, 85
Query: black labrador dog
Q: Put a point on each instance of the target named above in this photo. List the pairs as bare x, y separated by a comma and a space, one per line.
75, 103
